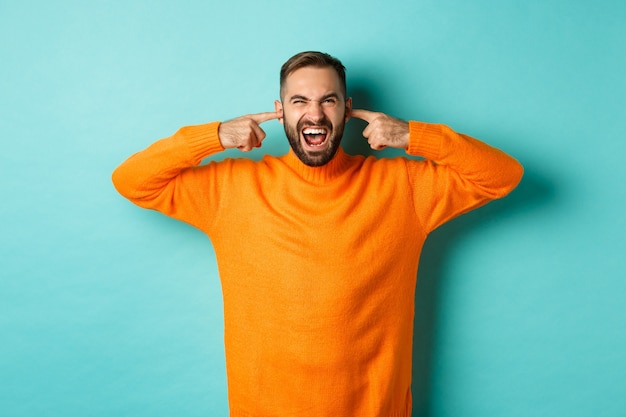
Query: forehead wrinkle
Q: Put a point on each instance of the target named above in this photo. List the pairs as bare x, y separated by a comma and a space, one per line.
324, 97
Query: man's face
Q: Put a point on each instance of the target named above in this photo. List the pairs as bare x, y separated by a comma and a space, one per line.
314, 111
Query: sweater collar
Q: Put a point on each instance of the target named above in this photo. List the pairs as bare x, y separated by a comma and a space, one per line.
333, 169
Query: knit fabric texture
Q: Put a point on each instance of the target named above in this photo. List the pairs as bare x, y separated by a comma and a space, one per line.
318, 265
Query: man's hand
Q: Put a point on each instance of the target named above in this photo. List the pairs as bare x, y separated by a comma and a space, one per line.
383, 130
244, 133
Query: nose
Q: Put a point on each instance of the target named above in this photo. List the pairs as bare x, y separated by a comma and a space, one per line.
314, 111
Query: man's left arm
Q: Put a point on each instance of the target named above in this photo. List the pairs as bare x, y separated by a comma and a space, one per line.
460, 173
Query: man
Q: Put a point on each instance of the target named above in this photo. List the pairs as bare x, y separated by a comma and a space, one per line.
317, 250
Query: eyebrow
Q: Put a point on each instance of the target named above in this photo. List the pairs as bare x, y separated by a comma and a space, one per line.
324, 97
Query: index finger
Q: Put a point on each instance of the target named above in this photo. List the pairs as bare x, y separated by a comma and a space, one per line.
366, 115
264, 117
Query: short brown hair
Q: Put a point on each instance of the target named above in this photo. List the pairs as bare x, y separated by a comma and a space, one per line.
312, 59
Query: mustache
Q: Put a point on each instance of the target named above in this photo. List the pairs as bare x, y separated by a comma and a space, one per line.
307, 123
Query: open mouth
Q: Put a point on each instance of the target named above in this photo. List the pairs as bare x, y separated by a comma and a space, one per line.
315, 137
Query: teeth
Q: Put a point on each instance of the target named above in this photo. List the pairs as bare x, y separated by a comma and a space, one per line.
312, 131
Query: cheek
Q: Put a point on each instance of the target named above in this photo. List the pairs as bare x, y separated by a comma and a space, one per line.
292, 117
290, 123
336, 116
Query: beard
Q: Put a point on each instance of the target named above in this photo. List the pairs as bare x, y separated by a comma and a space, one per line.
314, 158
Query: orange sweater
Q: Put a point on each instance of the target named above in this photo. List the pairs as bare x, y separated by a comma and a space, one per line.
318, 265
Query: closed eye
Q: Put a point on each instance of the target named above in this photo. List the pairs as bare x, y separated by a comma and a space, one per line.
328, 101
299, 100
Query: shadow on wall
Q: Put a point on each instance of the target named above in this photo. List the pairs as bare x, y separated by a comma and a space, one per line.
533, 192
353, 141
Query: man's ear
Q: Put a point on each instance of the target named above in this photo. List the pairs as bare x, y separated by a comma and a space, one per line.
348, 108
278, 106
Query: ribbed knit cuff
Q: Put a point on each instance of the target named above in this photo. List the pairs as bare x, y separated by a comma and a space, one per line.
424, 140
203, 140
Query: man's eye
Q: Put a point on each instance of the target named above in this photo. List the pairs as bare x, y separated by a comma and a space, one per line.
329, 102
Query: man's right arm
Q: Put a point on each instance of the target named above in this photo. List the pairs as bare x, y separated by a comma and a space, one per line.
161, 177
166, 177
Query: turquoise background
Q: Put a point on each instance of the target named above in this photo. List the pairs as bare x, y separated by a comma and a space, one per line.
109, 310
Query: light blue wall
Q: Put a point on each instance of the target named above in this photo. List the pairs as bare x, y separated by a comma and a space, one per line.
109, 310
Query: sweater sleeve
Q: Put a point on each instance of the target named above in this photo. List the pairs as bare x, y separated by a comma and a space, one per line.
459, 173
166, 177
